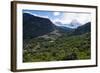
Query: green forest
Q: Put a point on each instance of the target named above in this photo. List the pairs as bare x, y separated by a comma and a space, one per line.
74, 47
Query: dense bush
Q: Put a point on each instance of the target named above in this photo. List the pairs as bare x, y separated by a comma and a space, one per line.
76, 47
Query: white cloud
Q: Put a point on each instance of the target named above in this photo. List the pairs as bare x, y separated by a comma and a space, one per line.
84, 18
61, 20
69, 17
80, 17
56, 13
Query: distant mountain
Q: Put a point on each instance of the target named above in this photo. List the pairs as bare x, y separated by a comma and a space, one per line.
34, 26
64, 29
83, 29
73, 25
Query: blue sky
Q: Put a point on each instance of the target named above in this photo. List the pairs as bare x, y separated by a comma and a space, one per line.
62, 17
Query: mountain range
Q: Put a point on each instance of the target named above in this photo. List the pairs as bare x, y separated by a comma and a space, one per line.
73, 25
34, 26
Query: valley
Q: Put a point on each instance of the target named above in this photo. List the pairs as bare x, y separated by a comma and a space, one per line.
44, 41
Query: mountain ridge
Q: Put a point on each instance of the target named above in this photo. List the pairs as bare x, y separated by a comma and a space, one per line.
34, 26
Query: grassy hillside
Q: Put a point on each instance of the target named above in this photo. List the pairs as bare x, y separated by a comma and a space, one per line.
76, 47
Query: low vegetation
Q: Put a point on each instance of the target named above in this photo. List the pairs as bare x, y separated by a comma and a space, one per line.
76, 47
